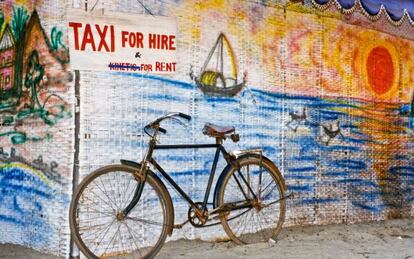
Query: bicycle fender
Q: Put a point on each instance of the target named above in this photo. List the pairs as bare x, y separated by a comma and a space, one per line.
130, 163
226, 171
219, 184
169, 200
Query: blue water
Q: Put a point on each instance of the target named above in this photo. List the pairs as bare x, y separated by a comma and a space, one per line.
25, 200
316, 170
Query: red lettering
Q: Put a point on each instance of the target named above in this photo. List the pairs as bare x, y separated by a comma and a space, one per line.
152, 40
76, 26
112, 38
171, 44
140, 38
158, 66
165, 67
161, 41
164, 42
135, 40
102, 35
88, 38
132, 40
124, 38
146, 67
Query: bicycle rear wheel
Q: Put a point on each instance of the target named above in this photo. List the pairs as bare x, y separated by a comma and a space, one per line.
256, 189
101, 231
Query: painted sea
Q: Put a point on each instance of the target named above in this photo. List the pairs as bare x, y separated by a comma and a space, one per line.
29, 197
344, 160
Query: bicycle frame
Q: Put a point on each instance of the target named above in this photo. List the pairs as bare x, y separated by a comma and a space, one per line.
219, 148
148, 159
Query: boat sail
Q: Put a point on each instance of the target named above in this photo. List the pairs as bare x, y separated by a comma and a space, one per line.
218, 76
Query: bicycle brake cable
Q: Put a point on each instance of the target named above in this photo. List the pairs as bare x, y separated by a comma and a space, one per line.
146, 132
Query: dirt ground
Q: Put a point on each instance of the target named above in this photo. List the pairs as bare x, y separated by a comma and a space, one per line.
387, 239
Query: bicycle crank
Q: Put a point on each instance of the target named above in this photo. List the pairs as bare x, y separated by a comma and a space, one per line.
197, 217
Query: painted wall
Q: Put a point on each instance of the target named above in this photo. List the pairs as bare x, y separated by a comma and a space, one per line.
327, 97
329, 102
36, 129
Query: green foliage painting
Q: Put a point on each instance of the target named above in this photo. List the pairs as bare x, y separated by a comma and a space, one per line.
20, 17
30, 98
1, 19
56, 39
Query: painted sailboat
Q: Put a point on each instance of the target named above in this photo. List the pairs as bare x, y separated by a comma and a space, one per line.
218, 76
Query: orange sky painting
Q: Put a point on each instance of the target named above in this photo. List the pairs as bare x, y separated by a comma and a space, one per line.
307, 54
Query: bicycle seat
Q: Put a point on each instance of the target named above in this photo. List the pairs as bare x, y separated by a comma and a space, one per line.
213, 130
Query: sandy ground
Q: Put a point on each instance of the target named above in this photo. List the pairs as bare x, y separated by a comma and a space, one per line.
389, 239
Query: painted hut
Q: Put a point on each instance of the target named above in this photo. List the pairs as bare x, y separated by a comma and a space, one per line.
7, 59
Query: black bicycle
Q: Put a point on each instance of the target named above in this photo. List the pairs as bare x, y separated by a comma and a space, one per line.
126, 210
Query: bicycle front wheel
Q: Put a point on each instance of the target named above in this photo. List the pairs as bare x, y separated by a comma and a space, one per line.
101, 230
254, 193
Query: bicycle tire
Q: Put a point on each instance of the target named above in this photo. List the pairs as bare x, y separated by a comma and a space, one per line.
157, 200
230, 193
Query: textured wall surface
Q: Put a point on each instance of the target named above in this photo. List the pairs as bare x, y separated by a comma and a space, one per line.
329, 102
36, 126
327, 96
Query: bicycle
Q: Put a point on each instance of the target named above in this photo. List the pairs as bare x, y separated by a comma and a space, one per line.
126, 209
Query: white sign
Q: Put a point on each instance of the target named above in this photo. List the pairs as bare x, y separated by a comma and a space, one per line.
122, 42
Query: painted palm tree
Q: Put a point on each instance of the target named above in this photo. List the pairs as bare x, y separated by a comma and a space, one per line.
18, 25
34, 74
53, 107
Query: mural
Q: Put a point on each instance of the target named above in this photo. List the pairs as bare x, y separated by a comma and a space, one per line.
24, 93
28, 190
35, 128
214, 81
329, 102
328, 96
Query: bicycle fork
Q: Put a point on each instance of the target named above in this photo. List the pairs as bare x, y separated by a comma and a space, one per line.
141, 178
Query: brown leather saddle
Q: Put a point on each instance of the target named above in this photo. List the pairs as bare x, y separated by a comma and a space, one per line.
216, 131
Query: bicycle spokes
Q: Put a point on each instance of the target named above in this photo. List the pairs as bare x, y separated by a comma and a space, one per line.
257, 185
101, 224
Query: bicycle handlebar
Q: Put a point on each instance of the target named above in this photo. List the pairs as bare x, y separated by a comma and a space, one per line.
168, 116
185, 116
162, 130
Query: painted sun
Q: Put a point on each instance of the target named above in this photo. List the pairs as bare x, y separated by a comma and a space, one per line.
381, 71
